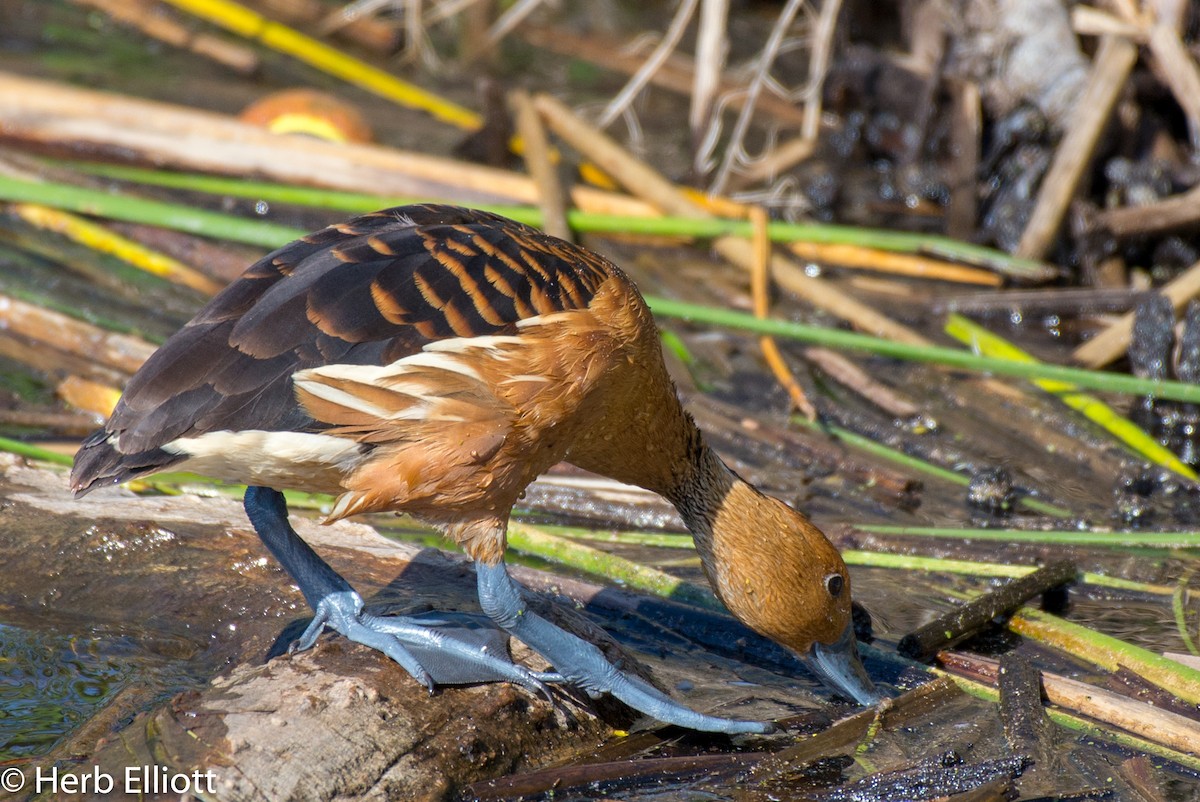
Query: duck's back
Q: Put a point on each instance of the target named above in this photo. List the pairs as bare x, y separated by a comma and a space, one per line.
416, 282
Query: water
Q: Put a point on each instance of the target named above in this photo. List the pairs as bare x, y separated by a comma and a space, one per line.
50, 683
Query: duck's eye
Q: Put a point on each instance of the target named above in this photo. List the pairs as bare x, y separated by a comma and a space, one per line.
834, 584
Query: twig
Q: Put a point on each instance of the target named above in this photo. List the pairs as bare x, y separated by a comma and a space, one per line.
245, 22
624, 168
962, 173
1108, 652
145, 17
778, 160
347, 22
670, 40
787, 155
648, 184
712, 45
900, 264
1179, 70
1165, 215
63, 423
1160, 726
49, 361
952, 627
847, 373
1094, 22
536, 153
734, 148
1065, 301
1085, 726
58, 115
1021, 706
90, 396
416, 42
759, 285
676, 75
1114, 340
511, 18
1110, 71
119, 351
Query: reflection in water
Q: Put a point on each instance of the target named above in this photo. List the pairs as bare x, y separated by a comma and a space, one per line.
50, 683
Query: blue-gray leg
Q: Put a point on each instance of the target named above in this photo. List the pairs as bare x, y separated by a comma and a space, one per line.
583, 664
445, 649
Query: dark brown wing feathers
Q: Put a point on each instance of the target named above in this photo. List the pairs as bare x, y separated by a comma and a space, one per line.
370, 290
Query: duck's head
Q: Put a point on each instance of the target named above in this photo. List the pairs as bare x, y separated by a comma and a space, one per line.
782, 577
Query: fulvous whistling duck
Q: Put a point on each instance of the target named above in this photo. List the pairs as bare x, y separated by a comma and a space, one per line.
435, 360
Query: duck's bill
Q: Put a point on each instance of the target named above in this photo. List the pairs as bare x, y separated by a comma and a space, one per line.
838, 665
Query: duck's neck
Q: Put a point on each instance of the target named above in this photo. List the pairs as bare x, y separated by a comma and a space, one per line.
701, 493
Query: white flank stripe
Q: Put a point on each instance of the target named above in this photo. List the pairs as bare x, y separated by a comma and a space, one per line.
446, 362
335, 395
363, 374
489, 342
545, 320
527, 377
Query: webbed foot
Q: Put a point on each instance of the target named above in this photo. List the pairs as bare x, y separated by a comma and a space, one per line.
435, 648
584, 665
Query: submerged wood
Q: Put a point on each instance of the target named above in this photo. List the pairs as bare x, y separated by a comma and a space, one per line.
966, 620
948, 775
1021, 707
649, 772
1171, 730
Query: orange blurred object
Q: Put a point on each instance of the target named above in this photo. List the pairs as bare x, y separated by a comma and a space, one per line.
309, 112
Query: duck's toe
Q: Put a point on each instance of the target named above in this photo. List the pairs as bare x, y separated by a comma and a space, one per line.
435, 648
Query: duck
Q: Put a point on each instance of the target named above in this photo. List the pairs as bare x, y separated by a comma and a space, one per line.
434, 360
